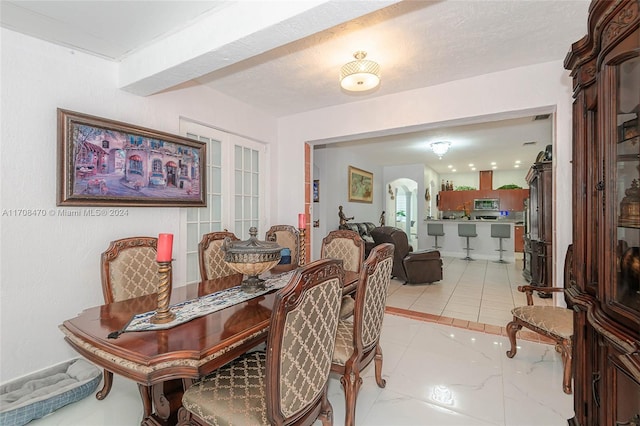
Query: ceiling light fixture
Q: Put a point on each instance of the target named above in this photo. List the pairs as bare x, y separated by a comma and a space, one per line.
440, 148
360, 75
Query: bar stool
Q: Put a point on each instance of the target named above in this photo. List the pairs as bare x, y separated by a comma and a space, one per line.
467, 230
435, 230
500, 230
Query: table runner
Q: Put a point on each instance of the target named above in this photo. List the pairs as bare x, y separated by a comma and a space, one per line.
201, 306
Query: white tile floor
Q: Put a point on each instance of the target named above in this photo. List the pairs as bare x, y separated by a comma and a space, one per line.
482, 291
436, 375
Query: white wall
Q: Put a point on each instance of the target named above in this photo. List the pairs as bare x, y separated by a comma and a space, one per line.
333, 164
540, 88
50, 265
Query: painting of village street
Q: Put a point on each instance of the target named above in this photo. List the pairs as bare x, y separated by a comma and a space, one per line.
107, 165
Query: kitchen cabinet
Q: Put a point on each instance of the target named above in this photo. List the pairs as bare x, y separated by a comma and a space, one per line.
518, 235
513, 199
605, 271
510, 199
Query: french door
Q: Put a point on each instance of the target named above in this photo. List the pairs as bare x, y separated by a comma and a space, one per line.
235, 189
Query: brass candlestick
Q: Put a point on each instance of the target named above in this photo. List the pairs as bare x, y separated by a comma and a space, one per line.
163, 315
302, 258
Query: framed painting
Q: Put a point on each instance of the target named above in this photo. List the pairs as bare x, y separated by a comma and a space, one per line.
108, 163
316, 191
360, 185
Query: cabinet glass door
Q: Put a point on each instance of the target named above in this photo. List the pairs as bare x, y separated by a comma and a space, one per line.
627, 185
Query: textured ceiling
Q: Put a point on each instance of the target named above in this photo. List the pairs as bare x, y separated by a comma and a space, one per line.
284, 57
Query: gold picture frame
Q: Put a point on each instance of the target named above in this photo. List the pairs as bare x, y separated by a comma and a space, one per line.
360, 185
103, 162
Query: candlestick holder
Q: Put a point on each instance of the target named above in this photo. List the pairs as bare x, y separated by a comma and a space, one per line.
302, 258
163, 315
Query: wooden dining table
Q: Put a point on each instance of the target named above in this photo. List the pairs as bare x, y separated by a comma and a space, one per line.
166, 362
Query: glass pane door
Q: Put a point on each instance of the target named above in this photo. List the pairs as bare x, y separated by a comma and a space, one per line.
627, 198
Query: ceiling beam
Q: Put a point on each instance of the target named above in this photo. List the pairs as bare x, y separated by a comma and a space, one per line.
232, 34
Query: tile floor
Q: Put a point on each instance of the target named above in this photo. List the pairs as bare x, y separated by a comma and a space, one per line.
436, 375
480, 291
444, 350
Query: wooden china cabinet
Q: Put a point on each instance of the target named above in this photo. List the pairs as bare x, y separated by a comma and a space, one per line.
540, 236
605, 288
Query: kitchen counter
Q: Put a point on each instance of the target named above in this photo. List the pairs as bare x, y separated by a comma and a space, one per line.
483, 246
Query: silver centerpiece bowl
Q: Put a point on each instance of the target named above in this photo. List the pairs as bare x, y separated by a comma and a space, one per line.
251, 258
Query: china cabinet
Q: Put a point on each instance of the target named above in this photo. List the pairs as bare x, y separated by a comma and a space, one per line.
540, 237
604, 290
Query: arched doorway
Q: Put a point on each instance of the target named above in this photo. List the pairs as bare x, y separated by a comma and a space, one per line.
402, 208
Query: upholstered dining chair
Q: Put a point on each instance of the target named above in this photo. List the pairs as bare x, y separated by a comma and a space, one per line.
286, 236
554, 322
348, 246
358, 339
211, 257
345, 245
128, 269
287, 384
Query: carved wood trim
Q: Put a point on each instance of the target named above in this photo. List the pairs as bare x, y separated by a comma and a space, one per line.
620, 22
612, 332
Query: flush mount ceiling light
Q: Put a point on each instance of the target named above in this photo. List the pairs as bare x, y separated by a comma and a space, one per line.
360, 75
440, 148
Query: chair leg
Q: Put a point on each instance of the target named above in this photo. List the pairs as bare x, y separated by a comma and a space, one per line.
378, 364
106, 385
567, 361
512, 328
467, 248
351, 382
326, 410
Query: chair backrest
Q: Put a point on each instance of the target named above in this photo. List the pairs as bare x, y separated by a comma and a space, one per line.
397, 237
435, 229
371, 297
345, 245
500, 230
467, 230
129, 268
301, 340
286, 236
211, 256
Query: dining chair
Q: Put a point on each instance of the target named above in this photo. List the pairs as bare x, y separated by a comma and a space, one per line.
358, 339
554, 322
287, 384
348, 246
211, 257
128, 269
286, 236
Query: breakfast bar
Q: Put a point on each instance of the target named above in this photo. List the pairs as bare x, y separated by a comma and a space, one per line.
484, 246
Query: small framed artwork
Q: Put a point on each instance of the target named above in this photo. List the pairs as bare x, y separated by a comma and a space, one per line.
360, 185
316, 191
108, 163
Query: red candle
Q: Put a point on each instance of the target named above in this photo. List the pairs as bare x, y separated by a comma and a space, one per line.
302, 221
165, 245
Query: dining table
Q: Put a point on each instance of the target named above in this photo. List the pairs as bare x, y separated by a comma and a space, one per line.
164, 363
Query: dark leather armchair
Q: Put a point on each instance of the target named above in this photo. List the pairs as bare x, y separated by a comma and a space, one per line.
413, 267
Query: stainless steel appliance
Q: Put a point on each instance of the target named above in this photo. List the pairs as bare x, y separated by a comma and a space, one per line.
486, 204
